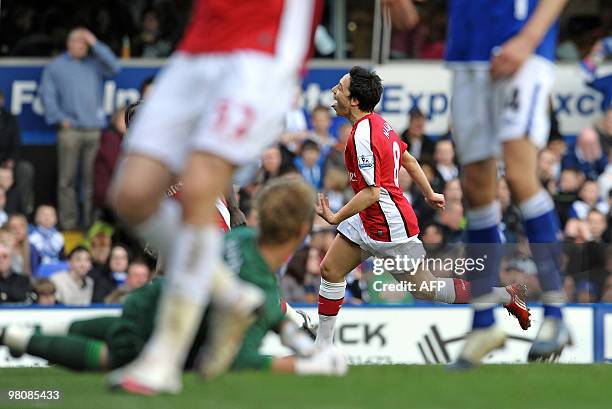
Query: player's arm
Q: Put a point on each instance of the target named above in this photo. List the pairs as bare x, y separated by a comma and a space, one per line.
435, 200
237, 218
362, 200
308, 360
511, 55
404, 15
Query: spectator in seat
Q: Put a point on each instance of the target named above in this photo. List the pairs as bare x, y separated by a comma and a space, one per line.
604, 129
149, 43
110, 275
74, 287
44, 291
335, 186
10, 157
569, 183
14, 288
294, 280
106, 158
138, 274
444, 156
405, 182
271, 164
310, 164
71, 93
451, 219
420, 145
335, 157
13, 197
296, 128
321, 123
99, 241
588, 200
548, 170
586, 292
47, 243
3, 215
598, 225
586, 155
22, 252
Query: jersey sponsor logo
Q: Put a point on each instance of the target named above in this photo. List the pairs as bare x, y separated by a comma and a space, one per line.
366, 161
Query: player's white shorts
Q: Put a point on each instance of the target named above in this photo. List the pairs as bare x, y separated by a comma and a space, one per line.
352, 228
486, 113
227, 104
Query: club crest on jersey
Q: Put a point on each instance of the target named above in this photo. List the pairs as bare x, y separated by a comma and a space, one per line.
366, 161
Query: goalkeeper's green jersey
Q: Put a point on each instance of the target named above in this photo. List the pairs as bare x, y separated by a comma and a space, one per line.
243, 257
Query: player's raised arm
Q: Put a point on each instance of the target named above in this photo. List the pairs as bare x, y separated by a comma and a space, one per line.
435, 200
511, 55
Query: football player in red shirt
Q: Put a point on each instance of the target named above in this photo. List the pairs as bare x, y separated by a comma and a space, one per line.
379, 221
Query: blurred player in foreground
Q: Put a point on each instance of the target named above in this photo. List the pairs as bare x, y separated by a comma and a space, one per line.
215, 106
501, 55
285, 208
379, 221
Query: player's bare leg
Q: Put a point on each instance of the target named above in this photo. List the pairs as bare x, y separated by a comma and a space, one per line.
453, 291
138, 196
195, 252
458, 291
541, 227
341, 258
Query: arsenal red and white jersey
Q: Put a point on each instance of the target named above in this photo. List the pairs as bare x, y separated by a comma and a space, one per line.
281, 27
373, 158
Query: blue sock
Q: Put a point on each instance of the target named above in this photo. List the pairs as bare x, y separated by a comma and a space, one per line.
542, 228
483, 318
552, 311
483, 244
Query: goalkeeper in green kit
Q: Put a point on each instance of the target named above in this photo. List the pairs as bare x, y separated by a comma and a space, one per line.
285, 208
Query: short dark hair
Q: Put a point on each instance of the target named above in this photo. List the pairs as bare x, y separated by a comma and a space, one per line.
309, 144
78, 249
130, 110
366, 87
416, 113
321, 108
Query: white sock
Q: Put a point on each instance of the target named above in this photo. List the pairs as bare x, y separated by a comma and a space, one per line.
333, 294
486, 301
194, 254
293, 316
502, 294
228, 289
556, 298
56, 327
445, 294
157, 229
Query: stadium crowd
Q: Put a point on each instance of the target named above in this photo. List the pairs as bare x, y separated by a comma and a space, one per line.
104, 264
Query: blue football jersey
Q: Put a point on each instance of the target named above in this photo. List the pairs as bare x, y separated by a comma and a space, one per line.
475, 27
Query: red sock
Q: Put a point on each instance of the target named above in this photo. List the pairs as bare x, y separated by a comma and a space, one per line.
283, 305
329, 307
463, 291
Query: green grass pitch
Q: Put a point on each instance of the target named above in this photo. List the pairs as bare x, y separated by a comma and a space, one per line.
543, 386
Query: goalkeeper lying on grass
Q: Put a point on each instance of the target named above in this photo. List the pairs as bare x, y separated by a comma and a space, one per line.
285, 208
